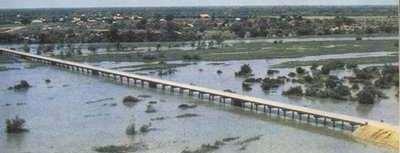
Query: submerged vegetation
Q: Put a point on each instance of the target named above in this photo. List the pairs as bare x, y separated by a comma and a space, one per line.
15, 125
245, 71
319, 83
22, 85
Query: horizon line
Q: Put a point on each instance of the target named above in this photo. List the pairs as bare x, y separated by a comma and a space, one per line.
187, 6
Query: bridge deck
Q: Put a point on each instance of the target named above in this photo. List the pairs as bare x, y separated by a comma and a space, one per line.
257, 101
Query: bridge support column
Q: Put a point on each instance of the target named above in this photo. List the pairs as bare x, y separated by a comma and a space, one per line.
342, 124
95, 72
293, 114
152, 85
316, 119
300, 115
333, 123
284, 113
352, 126
237, 102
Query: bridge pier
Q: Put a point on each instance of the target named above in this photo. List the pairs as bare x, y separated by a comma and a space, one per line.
95, 72
152, 85
181, 90
237, 102
284, 112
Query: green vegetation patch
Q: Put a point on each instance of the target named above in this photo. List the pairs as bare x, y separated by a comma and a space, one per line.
362, 60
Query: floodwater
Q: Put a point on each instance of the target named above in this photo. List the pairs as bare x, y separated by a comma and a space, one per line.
76, 112
385, 110
62, 117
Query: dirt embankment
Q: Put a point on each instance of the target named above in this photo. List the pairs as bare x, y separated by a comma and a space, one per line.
379, 133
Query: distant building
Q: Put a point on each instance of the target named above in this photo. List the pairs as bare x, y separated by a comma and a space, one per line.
36, 22
204, 16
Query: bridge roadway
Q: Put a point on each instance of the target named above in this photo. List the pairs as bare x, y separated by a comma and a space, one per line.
281, 109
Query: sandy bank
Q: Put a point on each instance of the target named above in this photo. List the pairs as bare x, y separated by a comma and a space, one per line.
379, 133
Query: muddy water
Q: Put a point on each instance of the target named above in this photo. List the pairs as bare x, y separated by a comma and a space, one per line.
62, 117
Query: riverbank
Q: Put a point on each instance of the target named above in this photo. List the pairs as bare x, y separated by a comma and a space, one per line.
360, 60
379, 133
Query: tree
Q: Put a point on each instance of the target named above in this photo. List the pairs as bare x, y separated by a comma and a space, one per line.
294, 91
300, 70
245, 70
26, 21
270, 83
15, 125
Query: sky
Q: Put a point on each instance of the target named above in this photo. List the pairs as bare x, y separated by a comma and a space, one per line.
153, 3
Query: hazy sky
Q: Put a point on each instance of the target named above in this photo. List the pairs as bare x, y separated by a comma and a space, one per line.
137, 3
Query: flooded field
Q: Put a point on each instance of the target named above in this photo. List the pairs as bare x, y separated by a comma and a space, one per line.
77, 113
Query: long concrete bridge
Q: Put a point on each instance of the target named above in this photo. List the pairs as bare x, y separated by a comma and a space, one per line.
302, 114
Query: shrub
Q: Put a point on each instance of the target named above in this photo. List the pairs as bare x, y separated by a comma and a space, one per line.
314, 66
292, 74
252, 80
269, 83
313, 92
308, 79
294, 91
367, 73
245, 70
300, 70
369, 95
246, 86
15, 125
145, 128
342, 91
186, 106
23, 84
130, 130
271, 72
355, 86
130, 99
351, 66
